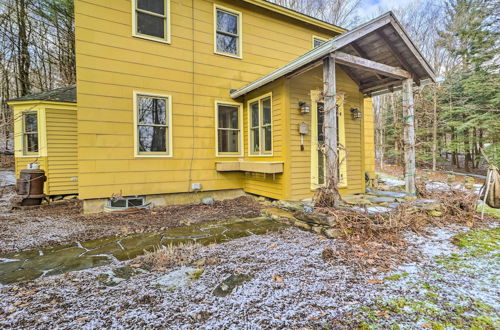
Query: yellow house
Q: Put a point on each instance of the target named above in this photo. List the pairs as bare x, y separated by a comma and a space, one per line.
182, 99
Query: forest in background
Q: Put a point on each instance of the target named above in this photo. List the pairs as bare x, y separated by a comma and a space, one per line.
454, 117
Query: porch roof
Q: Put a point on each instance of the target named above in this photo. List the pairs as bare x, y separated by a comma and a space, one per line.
382, 41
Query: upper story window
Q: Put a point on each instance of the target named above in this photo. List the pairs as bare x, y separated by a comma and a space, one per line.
318, 41
260, 125
151, 19
227, 32
30, 133
153, 125
229, 125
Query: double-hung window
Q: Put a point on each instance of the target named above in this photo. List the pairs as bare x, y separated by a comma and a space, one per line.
227, 32
151, 19
229, 124
260, 125
30, 133
153, 125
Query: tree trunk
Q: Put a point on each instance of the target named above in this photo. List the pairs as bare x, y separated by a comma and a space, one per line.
434, 129
330, 127
409, 136
22, 44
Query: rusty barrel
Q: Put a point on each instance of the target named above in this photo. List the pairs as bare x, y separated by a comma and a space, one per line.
30, 186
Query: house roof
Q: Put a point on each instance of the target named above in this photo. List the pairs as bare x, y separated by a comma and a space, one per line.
296, 15
64, 94
382, 40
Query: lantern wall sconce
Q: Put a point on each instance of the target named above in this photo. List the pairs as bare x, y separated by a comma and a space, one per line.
355, 113
304, 107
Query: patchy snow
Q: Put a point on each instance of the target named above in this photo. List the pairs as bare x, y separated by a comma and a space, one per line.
290, 286
7, 178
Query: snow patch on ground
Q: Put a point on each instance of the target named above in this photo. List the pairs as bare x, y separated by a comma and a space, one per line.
308, 292
7, 178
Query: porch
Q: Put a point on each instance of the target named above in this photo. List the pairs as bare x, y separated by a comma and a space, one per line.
324, 102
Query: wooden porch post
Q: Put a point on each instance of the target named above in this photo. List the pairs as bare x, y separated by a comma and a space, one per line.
409, 136
330, 126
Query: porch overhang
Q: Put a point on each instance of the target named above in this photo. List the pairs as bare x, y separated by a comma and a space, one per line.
377, 55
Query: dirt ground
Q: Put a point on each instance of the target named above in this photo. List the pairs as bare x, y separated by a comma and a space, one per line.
63, 222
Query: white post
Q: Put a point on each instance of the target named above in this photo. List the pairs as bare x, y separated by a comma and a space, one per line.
409, 136
330, 125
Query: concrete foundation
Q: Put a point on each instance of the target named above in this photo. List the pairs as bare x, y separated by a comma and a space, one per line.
97, 205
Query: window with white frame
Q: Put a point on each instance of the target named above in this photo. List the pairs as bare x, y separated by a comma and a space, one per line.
227, 32
151, 19
260, 125
318, 41
152, 124
228, 129
30, 133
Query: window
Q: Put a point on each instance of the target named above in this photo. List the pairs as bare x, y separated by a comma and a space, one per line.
153, 122
260, 125
229, 124
30, 133
151, 19
127, 202
318, 41
227, 32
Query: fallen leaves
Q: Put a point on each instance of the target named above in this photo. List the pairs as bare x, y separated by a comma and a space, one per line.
277, 278
384, 314
375, 281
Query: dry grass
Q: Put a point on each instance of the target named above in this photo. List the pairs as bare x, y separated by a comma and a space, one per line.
377, 241
168, 257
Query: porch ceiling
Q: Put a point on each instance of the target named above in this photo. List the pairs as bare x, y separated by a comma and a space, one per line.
382, 40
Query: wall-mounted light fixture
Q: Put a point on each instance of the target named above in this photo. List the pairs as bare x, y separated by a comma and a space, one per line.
304, 107
355, 113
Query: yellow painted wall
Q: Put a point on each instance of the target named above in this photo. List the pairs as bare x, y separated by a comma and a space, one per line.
111, 65
57, 135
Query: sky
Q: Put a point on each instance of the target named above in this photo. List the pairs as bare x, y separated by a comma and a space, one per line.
373, 8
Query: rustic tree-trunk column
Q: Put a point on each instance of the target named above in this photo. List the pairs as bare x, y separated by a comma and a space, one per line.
330, 129
409, 136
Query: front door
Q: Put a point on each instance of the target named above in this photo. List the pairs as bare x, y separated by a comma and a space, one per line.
318, 159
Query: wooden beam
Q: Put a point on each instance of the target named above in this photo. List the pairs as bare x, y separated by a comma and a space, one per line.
364, 64
368, 87
362, 54
330, 126
404, 64
409, 136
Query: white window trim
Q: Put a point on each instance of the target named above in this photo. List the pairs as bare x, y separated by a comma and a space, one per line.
240, 123
240, 34
24, 146
314, 38
168, 25
258, 99
169, 152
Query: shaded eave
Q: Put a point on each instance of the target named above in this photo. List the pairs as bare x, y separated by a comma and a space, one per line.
382, 40
60, 95
296, 15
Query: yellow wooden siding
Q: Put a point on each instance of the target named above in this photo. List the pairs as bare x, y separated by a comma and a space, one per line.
369, 137
300, 90
111, 65
62, 151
